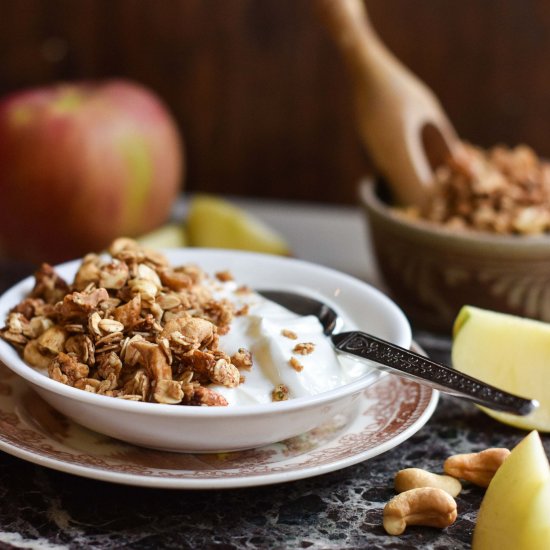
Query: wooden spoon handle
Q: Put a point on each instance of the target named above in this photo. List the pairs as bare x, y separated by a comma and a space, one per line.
349, 26
399, 119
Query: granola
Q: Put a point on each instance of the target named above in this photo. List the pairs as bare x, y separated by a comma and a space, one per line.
304, 348
502, 190
280, 392
295, 364
130, 327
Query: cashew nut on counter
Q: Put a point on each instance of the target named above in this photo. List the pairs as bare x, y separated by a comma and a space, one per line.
477, 468
415, 478
427, 506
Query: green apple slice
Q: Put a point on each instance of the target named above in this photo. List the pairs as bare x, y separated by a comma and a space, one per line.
216, 223
167, 236
509, 352
514, 514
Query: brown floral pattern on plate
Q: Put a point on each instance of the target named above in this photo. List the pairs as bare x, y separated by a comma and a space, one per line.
390, 411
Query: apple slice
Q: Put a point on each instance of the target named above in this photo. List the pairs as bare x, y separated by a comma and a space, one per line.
167, 236
514, 512
536, 532
213, 222
509, 352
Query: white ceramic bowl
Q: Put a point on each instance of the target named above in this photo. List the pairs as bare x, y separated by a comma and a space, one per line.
211, 429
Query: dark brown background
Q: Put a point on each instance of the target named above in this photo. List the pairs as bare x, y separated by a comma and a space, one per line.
259, 91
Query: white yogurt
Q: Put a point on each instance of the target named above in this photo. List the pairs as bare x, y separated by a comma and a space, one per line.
261, 332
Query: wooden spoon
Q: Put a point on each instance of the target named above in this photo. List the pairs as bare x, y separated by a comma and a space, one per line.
399, 119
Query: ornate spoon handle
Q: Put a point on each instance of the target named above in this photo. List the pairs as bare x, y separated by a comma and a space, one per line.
407, 363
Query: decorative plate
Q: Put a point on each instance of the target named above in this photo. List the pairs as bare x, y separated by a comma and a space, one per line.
389, 412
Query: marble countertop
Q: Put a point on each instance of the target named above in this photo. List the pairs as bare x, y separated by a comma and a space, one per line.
48, 509
43, 508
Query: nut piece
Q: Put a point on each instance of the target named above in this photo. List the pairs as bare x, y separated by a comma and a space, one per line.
67, 369
113, 275
296, 365
154, 360
477, 468
280, 393
224, 373
424, 506
34, 356
242, 359
304, 348
414, 478
203, 396
53, 340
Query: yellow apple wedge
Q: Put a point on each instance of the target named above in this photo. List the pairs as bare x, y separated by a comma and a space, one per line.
509, 352
168, 236
536, 532
515, 512
216, 223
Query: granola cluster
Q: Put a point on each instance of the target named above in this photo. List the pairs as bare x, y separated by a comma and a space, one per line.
131, 327
502, 190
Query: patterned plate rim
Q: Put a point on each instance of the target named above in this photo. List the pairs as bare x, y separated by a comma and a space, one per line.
366, 436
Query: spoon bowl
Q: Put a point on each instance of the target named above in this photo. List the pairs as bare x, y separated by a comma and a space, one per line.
403, 362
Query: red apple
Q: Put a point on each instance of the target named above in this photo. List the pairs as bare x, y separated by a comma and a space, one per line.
81, 164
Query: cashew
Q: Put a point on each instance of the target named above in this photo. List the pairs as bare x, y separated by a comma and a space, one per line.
113, 275
52, 340
33, 355
424, 506
88, 272
414, 478
168, 301
145, 288
478, 468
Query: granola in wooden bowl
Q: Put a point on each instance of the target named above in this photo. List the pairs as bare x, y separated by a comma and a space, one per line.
483, 238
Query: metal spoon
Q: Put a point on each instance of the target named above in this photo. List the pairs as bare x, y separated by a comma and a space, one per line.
401, 361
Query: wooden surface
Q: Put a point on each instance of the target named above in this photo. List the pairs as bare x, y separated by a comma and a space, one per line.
259, 91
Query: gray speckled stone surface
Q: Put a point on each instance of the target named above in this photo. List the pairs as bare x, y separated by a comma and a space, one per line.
48, 509
41, 508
